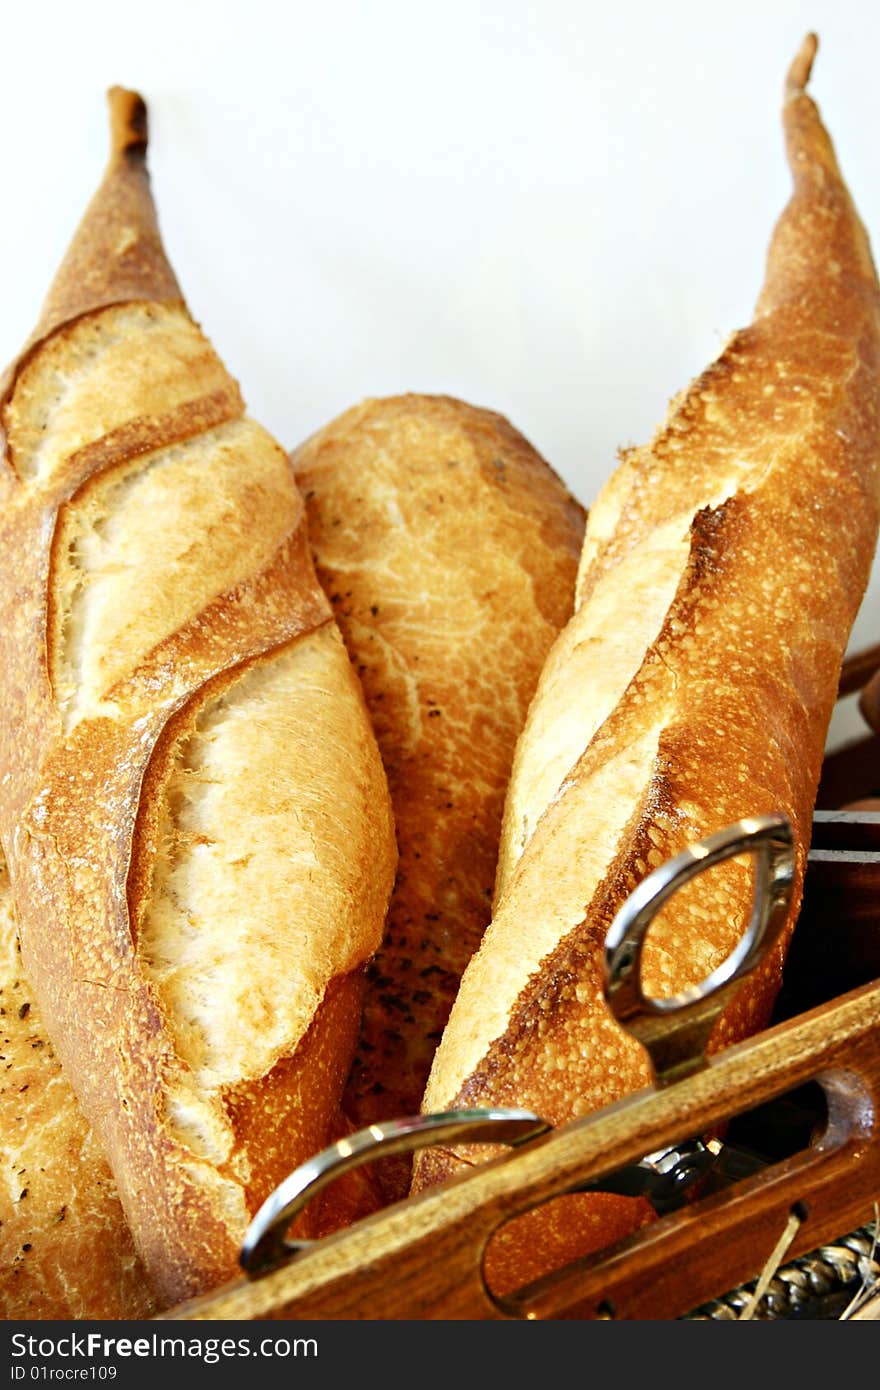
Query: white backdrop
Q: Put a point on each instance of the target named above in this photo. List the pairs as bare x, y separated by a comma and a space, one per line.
558, 210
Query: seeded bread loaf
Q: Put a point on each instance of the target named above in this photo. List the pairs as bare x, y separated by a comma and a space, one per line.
448, 549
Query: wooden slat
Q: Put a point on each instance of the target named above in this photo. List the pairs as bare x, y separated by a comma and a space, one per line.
422, 1259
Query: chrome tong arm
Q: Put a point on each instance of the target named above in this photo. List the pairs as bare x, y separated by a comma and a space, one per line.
266, 1245
675, 1031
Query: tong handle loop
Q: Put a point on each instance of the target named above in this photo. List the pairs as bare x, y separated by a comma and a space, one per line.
675, 1031
265, 1245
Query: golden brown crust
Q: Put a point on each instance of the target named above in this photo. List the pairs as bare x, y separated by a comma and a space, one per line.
448, 549
168, 653
757, 506
117, 254
65, 1247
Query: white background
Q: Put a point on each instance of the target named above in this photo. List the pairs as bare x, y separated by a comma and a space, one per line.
558, 210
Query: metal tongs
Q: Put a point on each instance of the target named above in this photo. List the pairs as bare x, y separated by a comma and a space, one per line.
675, 1032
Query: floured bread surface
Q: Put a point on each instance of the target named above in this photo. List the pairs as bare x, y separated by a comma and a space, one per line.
588, 669
65, 1247
448, 549
527, 927
142, 550
258, 885
631, 588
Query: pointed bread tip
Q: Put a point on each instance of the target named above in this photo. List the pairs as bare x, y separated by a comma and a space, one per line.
116, 255
799, 73
128, 121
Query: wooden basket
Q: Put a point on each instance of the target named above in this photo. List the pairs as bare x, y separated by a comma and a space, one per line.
423, 1258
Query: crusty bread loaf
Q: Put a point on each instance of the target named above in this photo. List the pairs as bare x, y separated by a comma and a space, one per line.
722, 569
65, 1247
448, 549
193, 806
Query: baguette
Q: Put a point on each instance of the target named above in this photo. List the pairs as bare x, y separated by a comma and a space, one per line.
193, 807
722, 569
449, 590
